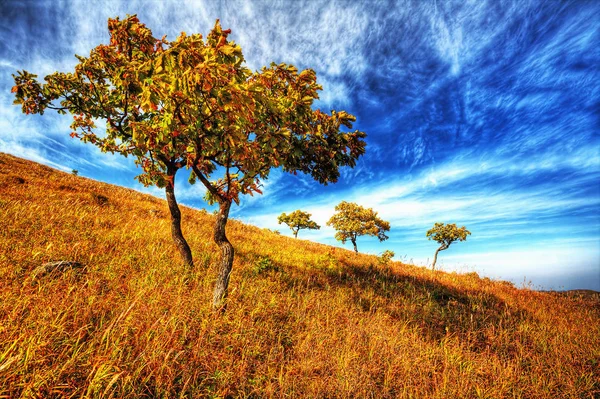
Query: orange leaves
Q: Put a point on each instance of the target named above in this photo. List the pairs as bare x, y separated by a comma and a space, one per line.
307, 75
206, 85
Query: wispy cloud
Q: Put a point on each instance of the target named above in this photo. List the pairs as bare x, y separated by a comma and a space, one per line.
481, 113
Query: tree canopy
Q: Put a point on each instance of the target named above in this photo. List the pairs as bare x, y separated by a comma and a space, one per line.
192, 103
298, 220
352, 220
446, 234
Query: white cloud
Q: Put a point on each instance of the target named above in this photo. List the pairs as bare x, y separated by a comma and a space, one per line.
31, 154
496, 218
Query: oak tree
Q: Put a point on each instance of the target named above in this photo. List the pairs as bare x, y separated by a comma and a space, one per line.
352, 220
192, 103
298, 220
446, 234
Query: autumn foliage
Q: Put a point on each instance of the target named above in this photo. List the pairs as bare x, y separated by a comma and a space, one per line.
298, 220
191, 103
352, 221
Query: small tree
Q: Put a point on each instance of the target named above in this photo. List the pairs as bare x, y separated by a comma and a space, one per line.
352, 220
192, 103
298, 220
446, 234
385, 257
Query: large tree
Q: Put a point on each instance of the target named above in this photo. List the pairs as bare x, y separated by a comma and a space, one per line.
352, 220
192, 103
446, 234
298, 220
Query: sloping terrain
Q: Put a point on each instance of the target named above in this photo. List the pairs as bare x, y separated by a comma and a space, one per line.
304, 319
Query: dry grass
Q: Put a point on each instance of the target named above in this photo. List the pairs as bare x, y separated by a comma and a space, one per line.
304, 320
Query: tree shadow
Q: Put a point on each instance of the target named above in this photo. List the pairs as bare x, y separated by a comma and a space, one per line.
479, 319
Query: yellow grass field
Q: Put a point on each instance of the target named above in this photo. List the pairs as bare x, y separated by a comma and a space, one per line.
303, 320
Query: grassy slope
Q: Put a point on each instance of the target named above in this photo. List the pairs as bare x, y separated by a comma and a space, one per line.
320, 322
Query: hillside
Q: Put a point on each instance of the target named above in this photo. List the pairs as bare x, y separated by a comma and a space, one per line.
304, 319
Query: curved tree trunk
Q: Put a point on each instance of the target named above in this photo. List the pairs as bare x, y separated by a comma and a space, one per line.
354, 243
443, 247
176, 233
435, 258
227, 253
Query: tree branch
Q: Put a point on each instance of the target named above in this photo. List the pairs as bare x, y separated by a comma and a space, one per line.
212, 189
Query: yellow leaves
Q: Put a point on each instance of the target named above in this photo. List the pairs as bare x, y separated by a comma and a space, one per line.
217, 28
446, 234
159, 63
307, 75
255, 87
307, 100
352, 220
298, 220
285, 132
231, 142
136, 136
227, 49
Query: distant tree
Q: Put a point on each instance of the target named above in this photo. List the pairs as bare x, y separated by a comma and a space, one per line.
298, 220
385, 257
74, 172
191, 103
352, 221
446, 234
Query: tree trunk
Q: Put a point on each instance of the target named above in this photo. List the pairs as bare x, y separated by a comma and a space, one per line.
180, 242
295, 233
227, 253
354, 243
443, 247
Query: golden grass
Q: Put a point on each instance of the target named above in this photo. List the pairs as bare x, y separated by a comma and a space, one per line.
304, 319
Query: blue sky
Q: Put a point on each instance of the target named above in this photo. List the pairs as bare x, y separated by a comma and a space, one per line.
480, 113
